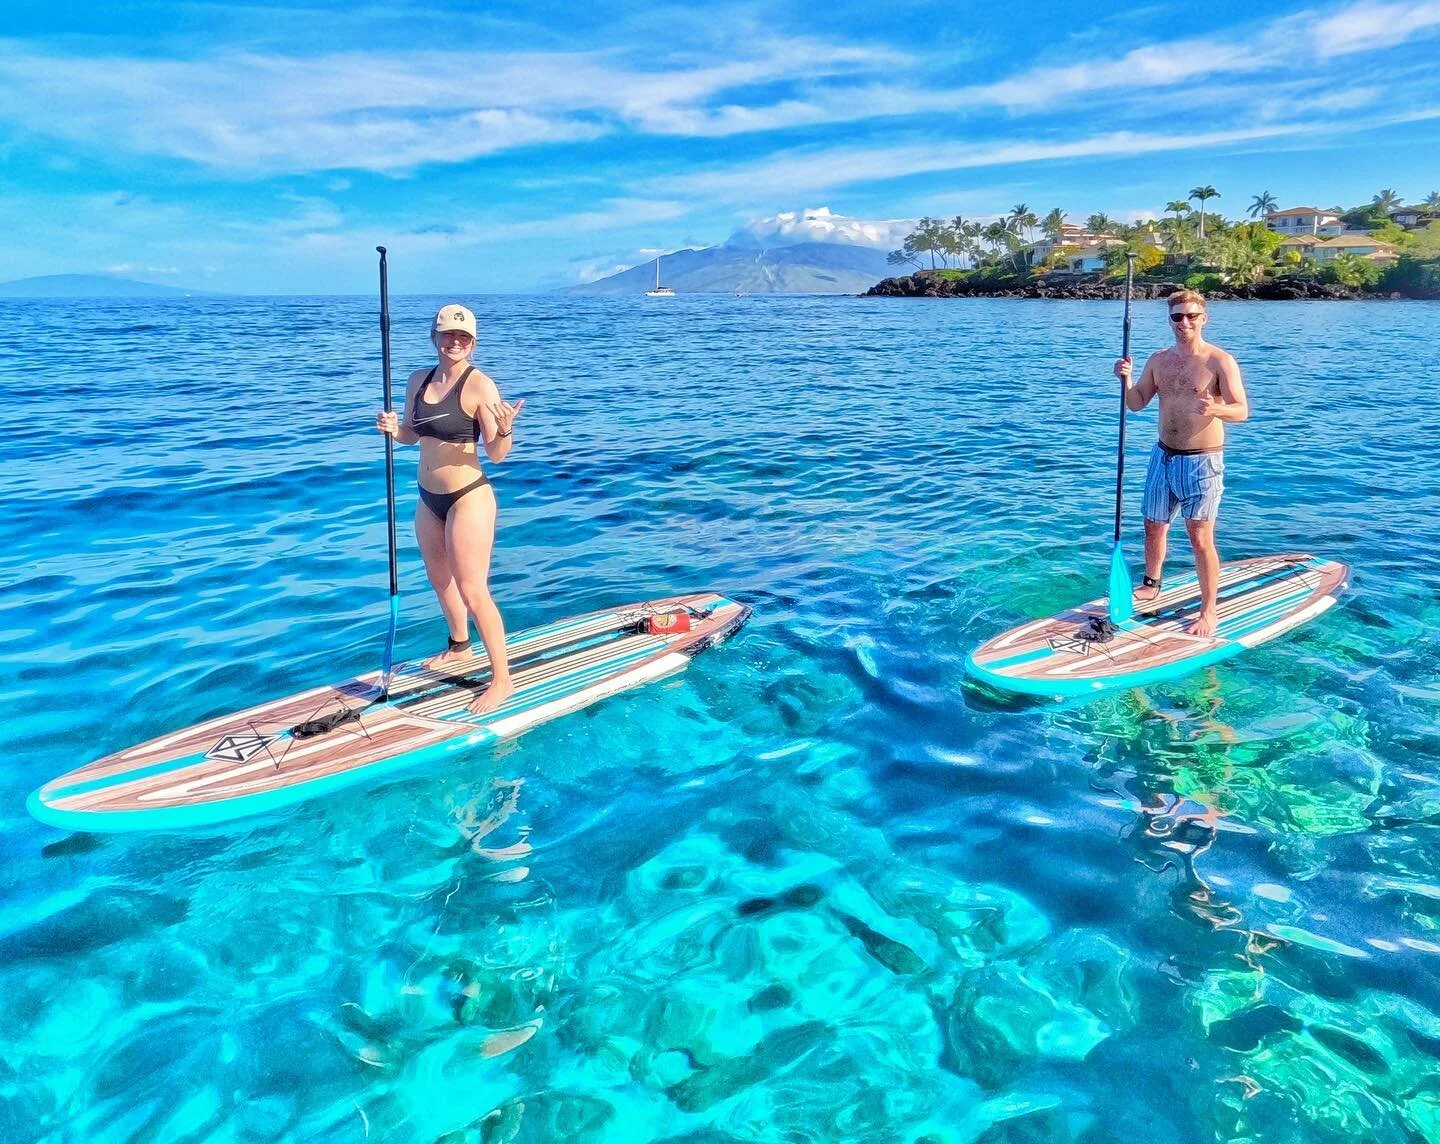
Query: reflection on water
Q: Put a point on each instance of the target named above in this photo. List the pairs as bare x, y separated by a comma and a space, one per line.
818, 888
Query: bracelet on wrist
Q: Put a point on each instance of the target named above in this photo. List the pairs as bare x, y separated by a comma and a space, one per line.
505, 434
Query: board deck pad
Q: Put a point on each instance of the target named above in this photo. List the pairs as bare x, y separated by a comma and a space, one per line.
258, 759
1259, 599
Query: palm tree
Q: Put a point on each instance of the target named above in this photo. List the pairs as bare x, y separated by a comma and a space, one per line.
1203, 193
1000, 234
1024, 219
960, 229
949, 244
1053, 224
1262, 204
996, 234
1175, 234
971, 237
913, 247
1099, 223
1387, 200
927, 238
1431, 202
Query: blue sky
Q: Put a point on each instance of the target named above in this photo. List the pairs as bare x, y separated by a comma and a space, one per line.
268, 147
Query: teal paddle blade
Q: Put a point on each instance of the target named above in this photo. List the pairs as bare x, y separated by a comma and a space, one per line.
1121, 606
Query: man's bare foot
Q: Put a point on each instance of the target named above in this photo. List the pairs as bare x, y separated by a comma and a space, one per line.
492, 697
451, 657
1204, 624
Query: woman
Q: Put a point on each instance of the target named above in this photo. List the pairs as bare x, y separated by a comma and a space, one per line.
451, 410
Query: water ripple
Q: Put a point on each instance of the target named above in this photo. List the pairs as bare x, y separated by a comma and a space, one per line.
820, 887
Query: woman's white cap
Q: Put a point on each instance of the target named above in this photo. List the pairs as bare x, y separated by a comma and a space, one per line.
455, 318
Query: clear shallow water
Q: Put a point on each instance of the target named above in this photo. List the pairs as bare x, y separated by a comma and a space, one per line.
815, 889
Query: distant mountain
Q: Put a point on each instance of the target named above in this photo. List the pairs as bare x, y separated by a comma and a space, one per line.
86, 286
805, 268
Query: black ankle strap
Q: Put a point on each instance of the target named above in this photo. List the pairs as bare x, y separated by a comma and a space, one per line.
1150, 581
460, 645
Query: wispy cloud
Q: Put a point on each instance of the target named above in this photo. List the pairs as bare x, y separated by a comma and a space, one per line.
797, 173
266, 114
1366, 26
1285, 46
258, 114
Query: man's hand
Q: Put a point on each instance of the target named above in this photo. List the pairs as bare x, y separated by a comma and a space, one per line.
1207, 404
1123, 370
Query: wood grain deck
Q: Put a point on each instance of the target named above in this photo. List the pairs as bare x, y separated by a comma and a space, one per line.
556, 667
1258, 598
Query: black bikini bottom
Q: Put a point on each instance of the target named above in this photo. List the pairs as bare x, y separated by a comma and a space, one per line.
441, 503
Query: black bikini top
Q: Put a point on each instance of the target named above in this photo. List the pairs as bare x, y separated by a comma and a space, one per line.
445, 420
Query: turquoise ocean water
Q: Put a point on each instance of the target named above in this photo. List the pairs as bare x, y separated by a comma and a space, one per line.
815, 889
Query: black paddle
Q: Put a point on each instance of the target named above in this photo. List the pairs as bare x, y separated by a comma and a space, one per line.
389, 478
1121, 590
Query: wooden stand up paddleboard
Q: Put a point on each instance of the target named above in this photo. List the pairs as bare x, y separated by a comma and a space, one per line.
293, 749
1259, 599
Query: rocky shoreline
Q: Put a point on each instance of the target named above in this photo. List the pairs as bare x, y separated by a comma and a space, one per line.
927, 285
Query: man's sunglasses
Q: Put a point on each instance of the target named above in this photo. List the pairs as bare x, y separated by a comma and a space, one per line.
1183, 314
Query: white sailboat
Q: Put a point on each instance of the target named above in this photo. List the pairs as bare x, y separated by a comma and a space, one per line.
659, 291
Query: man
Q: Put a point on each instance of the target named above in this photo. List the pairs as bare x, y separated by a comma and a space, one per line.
1200, 389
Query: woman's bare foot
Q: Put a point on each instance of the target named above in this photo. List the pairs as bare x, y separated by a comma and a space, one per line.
1205, 623
492, 697
450, 657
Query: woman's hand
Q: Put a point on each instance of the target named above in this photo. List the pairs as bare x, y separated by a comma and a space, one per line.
388, 422
504, 414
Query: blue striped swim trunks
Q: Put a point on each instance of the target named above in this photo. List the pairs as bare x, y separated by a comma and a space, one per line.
1188, 483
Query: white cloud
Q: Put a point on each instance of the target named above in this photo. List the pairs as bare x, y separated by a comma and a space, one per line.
1346, 100
596, 269
789, 175
1158, 65
820, 224
1286, 44
265, 114
256, 114
465, 233
1366, 26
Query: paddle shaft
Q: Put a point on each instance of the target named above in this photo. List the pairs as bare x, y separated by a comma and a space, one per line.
1124, 353
389, 462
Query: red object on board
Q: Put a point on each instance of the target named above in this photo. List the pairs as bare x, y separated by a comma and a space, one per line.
669, 623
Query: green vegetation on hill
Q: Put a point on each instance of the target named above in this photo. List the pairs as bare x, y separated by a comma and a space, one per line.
1190, 243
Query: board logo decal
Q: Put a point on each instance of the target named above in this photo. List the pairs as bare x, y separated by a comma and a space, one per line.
1076, 646
238, 748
